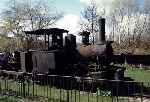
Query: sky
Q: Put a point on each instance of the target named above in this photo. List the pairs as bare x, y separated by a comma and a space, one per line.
71, 10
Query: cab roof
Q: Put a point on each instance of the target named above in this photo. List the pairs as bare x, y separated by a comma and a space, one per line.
50, 31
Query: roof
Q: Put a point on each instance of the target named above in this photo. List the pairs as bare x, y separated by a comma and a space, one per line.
47, 31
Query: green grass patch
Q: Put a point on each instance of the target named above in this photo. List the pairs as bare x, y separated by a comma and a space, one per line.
11, 89
8, 99
139, 75
46, 93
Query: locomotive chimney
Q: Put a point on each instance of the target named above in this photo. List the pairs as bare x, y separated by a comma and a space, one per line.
101, 36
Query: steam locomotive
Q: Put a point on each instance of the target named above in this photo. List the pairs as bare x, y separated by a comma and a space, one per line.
62, 57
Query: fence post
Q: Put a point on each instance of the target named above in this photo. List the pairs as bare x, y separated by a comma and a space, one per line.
141, 91
117, 85
33, 81
0, 86
68, 78
24, 91
24, 85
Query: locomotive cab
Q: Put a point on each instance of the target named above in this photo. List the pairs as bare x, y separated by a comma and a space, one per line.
49, 60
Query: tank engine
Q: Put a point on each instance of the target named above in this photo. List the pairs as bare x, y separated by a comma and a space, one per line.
62, 57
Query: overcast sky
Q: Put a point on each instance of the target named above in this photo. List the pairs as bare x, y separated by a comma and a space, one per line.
71, 10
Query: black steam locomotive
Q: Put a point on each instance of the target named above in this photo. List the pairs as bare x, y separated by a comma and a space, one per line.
62, 56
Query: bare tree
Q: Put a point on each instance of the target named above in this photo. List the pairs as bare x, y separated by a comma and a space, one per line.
146, 7
129, 24
90, 17
23, 15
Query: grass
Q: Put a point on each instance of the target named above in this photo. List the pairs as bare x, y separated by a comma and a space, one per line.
100, 99
38, 93
20, 99
139, 75
8, 99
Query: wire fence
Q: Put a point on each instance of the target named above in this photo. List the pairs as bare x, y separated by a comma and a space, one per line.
54, 88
